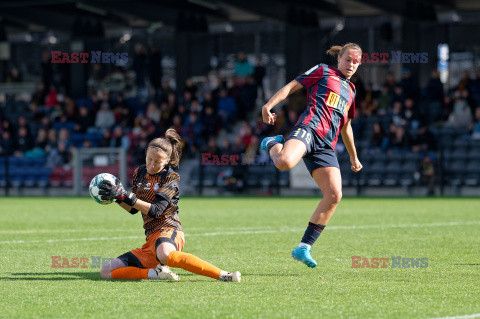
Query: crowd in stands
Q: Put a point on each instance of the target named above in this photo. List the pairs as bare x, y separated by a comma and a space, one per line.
398, 117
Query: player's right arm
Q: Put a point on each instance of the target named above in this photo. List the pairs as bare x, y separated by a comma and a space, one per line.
268, 117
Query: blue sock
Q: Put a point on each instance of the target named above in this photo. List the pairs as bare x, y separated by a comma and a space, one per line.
312, 233
271, 144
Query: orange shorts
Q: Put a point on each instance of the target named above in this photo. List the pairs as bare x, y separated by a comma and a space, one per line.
147, 254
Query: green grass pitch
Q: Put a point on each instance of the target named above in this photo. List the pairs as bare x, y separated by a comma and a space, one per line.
254, 236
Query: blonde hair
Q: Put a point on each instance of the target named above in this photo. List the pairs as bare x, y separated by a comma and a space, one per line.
170, 145
340, 50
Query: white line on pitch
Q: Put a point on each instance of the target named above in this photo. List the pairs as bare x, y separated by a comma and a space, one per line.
246, 232
474, 315
133, 229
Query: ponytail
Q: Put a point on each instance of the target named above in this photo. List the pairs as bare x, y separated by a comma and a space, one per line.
171, 145
176, 142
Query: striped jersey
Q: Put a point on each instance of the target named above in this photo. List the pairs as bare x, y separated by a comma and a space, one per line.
153, 188
331, 100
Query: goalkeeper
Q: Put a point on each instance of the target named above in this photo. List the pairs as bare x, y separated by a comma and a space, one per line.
155, 195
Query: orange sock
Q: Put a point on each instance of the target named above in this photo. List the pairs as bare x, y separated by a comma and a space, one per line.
130, 273
193, 264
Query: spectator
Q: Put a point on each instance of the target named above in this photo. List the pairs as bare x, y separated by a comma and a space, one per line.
389, 82
153, 112
258, 74
182, 112
192, 133
7, 126
14, 76
64, 136
447, 107
104, 118
155, 68
288, 124
396, 113
384, 101
177, 124
139, 151
408, 84
119, 139
166, 91
434, 87
243, 68
121, 111
211, 123
245, 133
476, 125
46, 69
195, 106
24, 142
212, 147
378, 138
52, 97
475, 91
461, 117
59, 156
398, 94
399, 139
84, 120
70, 109
171, 101
465, 81
260, 129
227, 108
41, 141
51, 140
166, 115
247, 96
427, 174
187, 99
139, 65
7, 145
39, 95
23, 123
208, 101
424, 140
190, 87
106, 139
410, 115
226, 148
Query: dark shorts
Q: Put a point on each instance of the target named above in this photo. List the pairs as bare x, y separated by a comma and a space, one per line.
318, 153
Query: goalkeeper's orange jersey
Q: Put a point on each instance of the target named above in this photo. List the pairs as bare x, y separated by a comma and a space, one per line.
151, 188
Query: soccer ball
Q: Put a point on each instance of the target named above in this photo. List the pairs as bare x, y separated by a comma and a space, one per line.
93, 189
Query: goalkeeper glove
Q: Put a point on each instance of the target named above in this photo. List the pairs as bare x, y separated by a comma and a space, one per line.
116, 192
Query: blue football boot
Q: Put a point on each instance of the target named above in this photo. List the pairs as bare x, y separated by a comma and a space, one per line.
303, 254
278, 138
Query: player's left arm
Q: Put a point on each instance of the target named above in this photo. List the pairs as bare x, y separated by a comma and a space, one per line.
347, 136
162, 198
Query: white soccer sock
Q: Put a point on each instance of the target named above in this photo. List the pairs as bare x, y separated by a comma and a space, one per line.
152, 274
223, 273
304, 245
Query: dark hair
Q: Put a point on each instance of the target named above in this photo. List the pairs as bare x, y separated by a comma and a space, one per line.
171, 144
340, 50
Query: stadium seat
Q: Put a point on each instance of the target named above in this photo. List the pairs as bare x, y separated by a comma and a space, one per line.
474, 154
472, 179
374, 179
284, 179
